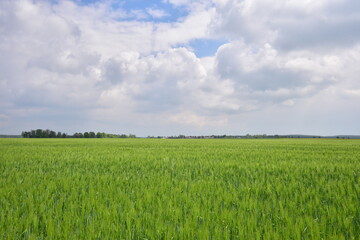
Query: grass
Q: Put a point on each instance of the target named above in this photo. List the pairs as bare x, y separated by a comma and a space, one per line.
179, 189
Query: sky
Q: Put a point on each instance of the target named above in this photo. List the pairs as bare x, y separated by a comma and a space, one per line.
170, 67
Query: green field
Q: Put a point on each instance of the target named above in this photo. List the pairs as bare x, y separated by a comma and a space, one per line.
179, 189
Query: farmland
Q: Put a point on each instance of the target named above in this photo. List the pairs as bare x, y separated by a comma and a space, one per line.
179, 189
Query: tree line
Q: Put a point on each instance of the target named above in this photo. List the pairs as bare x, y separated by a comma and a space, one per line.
40, 133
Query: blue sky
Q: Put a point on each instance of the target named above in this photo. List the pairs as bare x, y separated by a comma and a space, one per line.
206, 47
173, 13
180, 67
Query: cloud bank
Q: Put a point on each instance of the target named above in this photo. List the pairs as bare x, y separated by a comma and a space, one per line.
283, 67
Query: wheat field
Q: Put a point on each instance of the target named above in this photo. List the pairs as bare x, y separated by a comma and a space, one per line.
179, 189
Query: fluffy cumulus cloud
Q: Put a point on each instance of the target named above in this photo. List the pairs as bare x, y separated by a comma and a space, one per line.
75, 66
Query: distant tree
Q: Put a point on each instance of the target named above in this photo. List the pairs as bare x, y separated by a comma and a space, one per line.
38, 133
45, 133
25, 134
78, 135
100, 135
52, 134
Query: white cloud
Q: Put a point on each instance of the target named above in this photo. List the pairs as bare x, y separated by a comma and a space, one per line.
178, 2
289, 25
157, 13
92, 60
4, 120
192, 119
